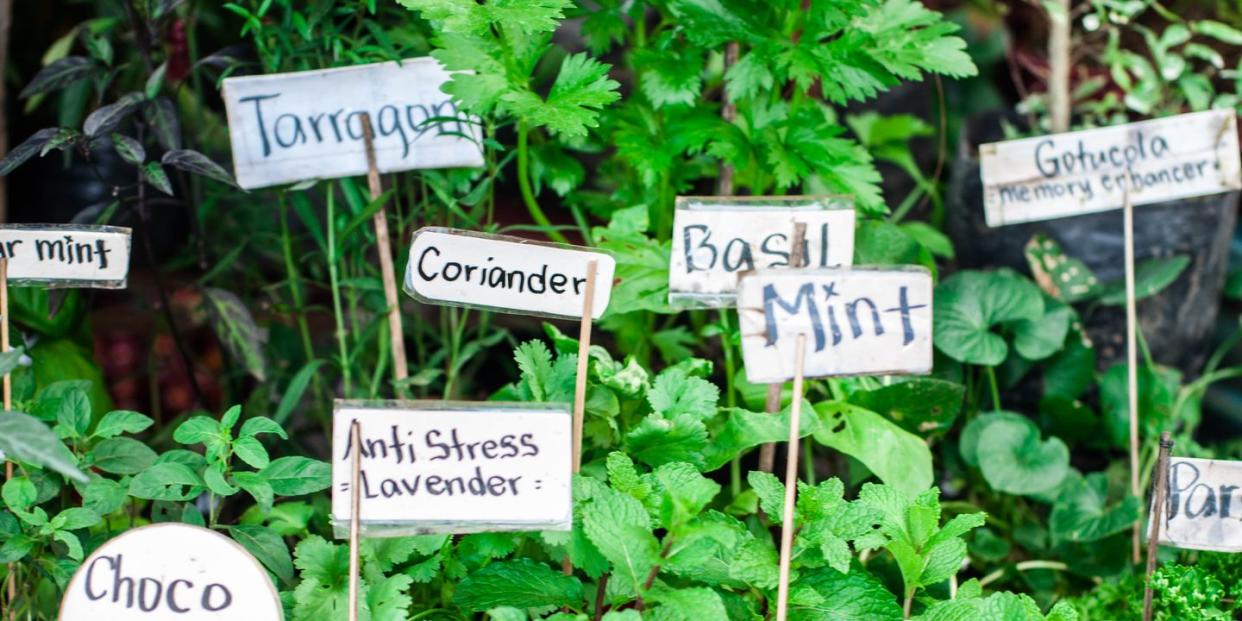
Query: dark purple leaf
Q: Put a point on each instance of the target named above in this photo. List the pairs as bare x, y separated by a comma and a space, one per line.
58, 75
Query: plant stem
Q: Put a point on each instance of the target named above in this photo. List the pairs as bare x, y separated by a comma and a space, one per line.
295, 285
726, 346
808, 460
336, 293
991, 373
528, 194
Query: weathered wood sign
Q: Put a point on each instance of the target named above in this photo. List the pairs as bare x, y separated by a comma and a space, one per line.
859, 321
1048, 177
445, 467
1203, 505
308, 125
168, 571
66, 255
716, 238
508, 274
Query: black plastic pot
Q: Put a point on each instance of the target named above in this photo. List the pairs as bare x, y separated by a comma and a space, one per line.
1178, 322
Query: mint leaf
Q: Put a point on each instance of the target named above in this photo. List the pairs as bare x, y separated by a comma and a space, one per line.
619, 527
520, 583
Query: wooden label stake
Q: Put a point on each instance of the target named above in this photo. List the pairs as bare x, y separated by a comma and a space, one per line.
1132, 364
396, 333
584, 347
791, 482
1158, 516
772, 405
355, 508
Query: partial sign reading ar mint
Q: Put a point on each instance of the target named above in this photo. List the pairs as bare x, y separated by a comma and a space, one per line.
860, 321
66, 255
717, 238
445, 467
308, 125
507, 274
1061, 175
1203, 505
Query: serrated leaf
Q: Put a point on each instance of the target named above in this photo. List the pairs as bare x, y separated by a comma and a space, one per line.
237, 330
581, 89
520, 583
675, 393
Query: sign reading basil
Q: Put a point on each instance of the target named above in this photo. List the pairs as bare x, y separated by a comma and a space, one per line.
508, 274
308, 125
1048, 177
717, 238
860, 321
66, 255
445, 467
168, 571
1203, 505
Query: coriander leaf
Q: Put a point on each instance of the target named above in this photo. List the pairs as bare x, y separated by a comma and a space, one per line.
581, 89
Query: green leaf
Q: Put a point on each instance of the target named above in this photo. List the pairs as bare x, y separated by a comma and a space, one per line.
619, 527
1037, 340
675, 393
744, 429
154, 174
828, 595
324, 590
520, 583
1015, 461
260, 424
969, 304
118, 422
535, 362
73, 416
268, 547
19, 493
771, 494
1157, 394
251, 451
689, 604
919, 405
129, 149
1217, 30
103, 496
1082, 512
898, 457
1150, 277
237, 330
683, 493
1058, 274
166, 481
294, 476
75, 518
581, 89
657, 441
25, 439
293, 393
122, 456
669, 76
930, 238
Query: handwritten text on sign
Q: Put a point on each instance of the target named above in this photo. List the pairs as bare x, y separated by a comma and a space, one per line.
502, 273
1203, 510
455, 468
715, 239
170, 571
856, 322
1088, 171
308, 125
66, 255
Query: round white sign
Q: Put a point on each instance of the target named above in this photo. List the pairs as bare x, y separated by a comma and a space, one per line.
171, 571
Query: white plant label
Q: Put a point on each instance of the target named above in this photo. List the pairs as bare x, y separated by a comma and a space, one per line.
1061, 175
715, 239
308, 125
437, 467
855, 321
508, 274
1203, 506
167, 572
66, 255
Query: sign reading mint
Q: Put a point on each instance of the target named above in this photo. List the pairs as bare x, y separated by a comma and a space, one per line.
66, 255
445, 467
717, 238
1061, 175
859, 321
308, 125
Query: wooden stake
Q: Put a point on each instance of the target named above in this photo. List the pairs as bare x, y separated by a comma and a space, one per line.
791, 482
355, 507
584, 347
11, 580
1059, 65
396, 334
1132, 364
772, 405
1158, 516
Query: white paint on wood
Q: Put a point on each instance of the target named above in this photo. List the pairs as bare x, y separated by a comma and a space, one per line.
859, 321
167, 572
66, 255
508, 274
717, 238
1061, 175
308, 125
1203, 505
444, 467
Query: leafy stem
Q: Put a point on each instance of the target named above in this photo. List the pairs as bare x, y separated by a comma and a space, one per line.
334, 279
991, 373
528, 194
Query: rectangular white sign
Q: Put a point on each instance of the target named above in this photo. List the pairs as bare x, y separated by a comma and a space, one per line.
1203, 505
860, 321
508, 274
445, 467
717, 238
66, 255
308, 125
1061, 175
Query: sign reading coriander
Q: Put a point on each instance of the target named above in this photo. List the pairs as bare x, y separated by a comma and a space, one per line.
445, 467
66, 255
717, 238
508, 274
860, 321
170, 571
308, 125
1060, 175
